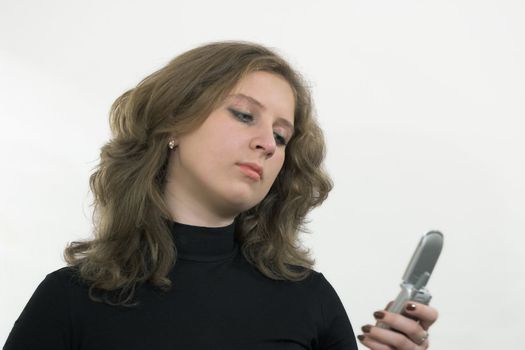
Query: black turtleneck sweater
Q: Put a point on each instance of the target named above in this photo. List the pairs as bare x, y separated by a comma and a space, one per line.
217, 301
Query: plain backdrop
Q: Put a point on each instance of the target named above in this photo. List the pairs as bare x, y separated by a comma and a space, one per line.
422, 104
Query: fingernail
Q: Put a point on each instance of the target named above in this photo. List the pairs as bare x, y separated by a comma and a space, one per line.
361, 337
411, 307
379, 314
366, 329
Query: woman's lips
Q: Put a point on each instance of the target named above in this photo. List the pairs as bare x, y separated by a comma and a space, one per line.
249, 171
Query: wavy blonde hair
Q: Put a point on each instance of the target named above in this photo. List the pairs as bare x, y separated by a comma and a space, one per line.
132, 242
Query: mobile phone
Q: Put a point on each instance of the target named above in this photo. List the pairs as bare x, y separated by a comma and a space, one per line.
417, 274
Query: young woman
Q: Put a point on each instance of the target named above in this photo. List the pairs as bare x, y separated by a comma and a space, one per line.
214, 163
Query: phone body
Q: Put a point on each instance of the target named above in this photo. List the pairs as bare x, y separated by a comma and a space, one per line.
417, 274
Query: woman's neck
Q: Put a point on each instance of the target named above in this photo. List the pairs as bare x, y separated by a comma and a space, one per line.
192, 212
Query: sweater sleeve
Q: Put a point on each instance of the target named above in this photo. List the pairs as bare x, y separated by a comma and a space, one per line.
337, 333
44, 322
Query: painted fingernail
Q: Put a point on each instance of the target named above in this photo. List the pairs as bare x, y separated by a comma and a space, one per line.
379, 314
361, 337
366, 329
411, 307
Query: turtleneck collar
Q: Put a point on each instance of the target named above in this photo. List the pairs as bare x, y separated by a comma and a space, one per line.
199, 243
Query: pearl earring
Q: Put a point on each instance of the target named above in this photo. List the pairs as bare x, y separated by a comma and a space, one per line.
171, 144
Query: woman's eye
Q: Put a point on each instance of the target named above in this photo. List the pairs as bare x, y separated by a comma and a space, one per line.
246, 118
280, 139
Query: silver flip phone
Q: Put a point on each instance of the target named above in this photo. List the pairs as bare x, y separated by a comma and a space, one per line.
418, 273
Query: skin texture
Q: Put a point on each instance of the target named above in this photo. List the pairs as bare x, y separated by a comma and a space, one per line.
421, 318
205, 186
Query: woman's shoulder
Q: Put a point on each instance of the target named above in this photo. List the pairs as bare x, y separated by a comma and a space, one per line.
64, 278
63, 273
314, 282
312, 275
320, 287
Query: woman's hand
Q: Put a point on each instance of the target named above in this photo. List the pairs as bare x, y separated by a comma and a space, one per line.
407, 333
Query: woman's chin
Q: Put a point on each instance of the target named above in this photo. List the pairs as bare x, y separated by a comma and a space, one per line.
240, 201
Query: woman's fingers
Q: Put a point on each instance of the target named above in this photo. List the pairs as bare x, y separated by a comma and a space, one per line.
390, 339
373, 344
381, 338
408, 331
426, 315
411, 330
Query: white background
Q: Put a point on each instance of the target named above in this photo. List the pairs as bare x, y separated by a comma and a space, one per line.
422, 103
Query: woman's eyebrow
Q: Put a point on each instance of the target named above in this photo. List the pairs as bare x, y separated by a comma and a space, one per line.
250, 99
261, 106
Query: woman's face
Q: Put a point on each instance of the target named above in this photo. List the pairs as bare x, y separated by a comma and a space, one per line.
253, 124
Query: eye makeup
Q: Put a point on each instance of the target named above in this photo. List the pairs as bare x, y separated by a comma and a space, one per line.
249, 119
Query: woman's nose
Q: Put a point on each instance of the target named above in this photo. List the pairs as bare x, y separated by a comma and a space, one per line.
264, 140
